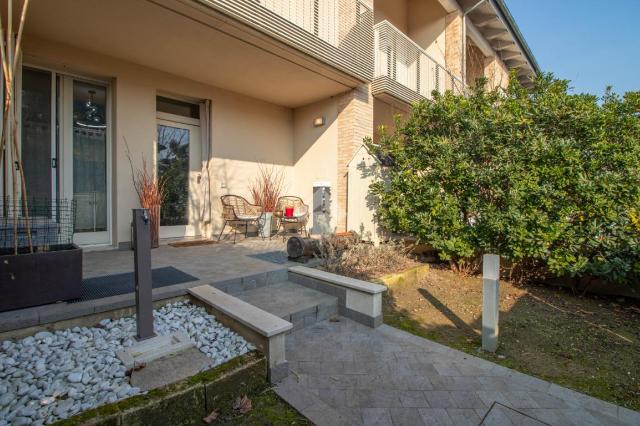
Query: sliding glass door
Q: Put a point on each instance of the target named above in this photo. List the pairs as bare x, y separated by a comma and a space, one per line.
89, 165
64, 135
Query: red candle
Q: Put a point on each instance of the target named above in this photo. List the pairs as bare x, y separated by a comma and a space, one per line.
288, 212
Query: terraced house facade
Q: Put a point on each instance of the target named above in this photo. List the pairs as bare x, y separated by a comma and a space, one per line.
212, 89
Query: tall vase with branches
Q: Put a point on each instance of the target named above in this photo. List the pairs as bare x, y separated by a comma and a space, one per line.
151, 194
10, 46
265, 189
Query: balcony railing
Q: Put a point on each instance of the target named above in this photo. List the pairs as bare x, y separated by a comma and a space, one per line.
337, 32
405, 70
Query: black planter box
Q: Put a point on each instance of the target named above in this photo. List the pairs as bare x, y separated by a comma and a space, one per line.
31, 279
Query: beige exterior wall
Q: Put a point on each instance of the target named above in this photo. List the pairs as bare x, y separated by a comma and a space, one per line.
426, 25
394, 11
245, 131
315, 152
363, 170
384, 116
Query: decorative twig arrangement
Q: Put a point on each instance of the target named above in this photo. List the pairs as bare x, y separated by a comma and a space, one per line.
267, 187
151, 193
10, 46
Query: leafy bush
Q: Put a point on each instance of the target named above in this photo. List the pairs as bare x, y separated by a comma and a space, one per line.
545, 178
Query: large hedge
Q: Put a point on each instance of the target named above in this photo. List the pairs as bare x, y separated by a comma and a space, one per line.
548, 179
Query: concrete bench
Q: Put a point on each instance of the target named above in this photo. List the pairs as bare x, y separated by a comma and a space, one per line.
358, 300
266, 331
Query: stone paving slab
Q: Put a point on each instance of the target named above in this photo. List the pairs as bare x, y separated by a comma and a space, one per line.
344, 373
286, 298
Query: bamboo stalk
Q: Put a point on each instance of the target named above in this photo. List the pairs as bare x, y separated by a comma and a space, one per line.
9, 55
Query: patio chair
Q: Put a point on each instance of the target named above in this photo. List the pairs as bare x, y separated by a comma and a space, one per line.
298, 217
237, 209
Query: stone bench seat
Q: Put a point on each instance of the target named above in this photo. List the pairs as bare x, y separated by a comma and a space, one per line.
261, 328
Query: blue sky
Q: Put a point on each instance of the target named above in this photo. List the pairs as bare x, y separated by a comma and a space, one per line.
593, 43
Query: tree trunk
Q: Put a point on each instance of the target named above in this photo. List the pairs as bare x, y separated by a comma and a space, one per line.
298, 247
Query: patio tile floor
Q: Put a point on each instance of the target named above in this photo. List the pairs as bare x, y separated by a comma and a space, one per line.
231, 267
215, 262
344, 373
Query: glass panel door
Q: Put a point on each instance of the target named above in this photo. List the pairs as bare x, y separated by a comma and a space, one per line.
84, 120
90, 156
178, 163
38, 150
173, 168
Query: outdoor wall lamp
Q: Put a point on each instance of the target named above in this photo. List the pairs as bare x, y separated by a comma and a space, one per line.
318, 121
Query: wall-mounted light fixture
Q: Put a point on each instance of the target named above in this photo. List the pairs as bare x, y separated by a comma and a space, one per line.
318, 121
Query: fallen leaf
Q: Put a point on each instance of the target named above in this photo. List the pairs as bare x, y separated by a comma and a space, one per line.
242, 404
211, 417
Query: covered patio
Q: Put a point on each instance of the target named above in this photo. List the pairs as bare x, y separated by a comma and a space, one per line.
248, 264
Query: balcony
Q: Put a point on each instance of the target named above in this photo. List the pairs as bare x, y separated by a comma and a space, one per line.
404, 71
336, 32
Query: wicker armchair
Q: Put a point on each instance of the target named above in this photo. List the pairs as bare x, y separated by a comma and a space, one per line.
236, 209
297, 221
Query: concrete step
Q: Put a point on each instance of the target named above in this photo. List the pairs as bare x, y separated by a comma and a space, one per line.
299, 305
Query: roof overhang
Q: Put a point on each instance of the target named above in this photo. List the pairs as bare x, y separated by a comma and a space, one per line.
492, 19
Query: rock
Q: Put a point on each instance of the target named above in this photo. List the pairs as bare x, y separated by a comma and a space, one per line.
74, 377
6, 399
42, 335
53, 375
47, 400
21, 421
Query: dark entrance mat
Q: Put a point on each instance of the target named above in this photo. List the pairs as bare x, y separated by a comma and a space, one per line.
113, 285
192, 243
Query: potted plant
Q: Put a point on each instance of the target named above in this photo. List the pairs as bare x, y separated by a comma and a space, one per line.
265, 190
151, 193
39, 262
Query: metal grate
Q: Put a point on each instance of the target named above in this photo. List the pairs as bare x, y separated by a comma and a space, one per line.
402, 60
48, 223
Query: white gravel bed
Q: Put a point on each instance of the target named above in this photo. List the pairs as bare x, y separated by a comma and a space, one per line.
53, 375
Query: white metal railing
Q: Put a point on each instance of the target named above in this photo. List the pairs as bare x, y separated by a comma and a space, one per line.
400, 59
339, 32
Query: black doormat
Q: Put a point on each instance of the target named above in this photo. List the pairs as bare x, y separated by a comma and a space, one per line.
113, 285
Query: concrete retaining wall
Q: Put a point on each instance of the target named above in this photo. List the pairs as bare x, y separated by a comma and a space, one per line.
184, 402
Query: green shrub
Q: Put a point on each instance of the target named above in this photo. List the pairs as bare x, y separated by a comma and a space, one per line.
540, 176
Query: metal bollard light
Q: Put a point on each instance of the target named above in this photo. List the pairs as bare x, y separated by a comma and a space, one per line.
142, 261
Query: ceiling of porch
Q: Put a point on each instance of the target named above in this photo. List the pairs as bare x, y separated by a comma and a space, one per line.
185, 40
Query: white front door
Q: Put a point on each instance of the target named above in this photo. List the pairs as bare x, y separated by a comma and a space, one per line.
179, 165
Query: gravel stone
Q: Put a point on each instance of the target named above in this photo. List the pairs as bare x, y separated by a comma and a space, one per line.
54, 375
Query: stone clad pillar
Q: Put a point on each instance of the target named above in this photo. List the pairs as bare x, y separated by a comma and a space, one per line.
355, 122
496, 72
453, 52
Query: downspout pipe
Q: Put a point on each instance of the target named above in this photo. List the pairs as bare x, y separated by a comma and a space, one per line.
464, 40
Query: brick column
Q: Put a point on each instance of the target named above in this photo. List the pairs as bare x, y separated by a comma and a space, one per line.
496, 72
453, 44
355, 122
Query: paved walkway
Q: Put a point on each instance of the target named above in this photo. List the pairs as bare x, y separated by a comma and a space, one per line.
208, 263
346, 373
